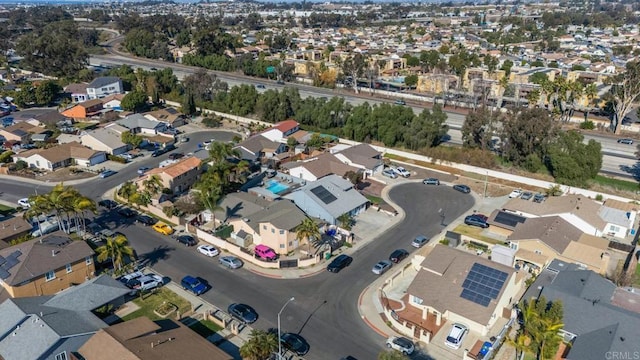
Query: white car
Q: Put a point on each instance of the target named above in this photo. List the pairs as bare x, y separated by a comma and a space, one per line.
515, 193
402, 171
146, 282
208, 250
24, 203
401, 344
381, 267
454, 339
389, 173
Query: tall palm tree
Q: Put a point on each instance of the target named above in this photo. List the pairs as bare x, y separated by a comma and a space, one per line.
153, 185
209, 190
127, 190
219, 152
308, 230
81, 205
35, 211
116, 248
591, 92
346, 221
260, 345
240, 170
548, 338
521, 343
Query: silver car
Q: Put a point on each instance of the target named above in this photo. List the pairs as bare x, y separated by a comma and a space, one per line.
419, 241
381, 267
231, 262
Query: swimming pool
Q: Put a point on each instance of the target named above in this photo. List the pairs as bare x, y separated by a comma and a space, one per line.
276, 187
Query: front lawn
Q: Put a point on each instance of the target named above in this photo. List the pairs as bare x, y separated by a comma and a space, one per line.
205, 328
475, 232
6, 210
150, 302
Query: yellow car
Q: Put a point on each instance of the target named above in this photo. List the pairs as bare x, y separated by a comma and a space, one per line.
163, 228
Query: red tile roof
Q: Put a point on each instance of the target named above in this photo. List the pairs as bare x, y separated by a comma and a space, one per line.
286, 125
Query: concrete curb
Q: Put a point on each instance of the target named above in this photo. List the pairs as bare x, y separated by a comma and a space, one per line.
44, 182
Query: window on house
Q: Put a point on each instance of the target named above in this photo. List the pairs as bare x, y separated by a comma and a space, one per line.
68, 268
281, 246
50, 275
38, 163
264, 227
112, 88
273, 231
281, 232
88, 260
538, 252
614, 228
62, 356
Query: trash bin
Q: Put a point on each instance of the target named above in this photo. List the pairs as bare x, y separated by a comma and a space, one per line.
327, 255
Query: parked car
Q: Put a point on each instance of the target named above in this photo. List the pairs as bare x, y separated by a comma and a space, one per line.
243, 312
419, 241
456, 335
265, 253
625, 141
147, 282
193, 284
401, 344
402, 171
260, 86
176, 156
389, 173
187, 240
146, 220
339, 263
208, 250
125, 279
398, 255
142, 170
474, 220
107, 173
295, 343
515, 193
231, 262
127, 212
431, 181
400, 102
462, 188
24, 203
107, 203
162, 228
526, 196
381, 267
538, 198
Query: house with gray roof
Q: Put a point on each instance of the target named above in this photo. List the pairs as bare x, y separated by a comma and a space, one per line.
598, 320
259, 147
139, 124
54, 326
104, 139
362, 156
328, 198
318, 167
103, 86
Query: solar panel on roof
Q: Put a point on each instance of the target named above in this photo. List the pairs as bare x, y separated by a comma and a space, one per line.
16, 254
4, 274
475, 297
323, 194
2, 260
509, 219
482, 284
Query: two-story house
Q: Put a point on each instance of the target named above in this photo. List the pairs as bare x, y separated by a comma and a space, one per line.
84, 110
45, 266
259, 147
179, 176
281, 131
103, 86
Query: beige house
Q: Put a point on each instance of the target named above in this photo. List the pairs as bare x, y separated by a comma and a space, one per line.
178, 177
60, 156
45, 266
21, 132
273, 226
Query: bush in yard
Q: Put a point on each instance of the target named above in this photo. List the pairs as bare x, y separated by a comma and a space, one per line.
212, 121
21, 165
116, 158
5, 157
587, 125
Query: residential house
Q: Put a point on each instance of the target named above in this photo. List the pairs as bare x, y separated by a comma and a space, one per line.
143, 339
472, 290
281, 131
599, 319
273, 226
328, 198
78, 92
236, 206
112, 102
138, 124
104, 86
178, 177
106, 140
21, 132
44, 116
318, 167
54, 327
362, 156
13, 227
84, 110
619, 217
61, 156
170, 116
259, 147
45, 266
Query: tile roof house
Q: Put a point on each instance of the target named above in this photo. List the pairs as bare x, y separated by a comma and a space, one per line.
143, 339
362, 156
138, 124
599, 318
179, 176
318, 167
328, 198
104, 86
13, 227
281, 131
53, 327
45, 266
171, 116
104, 139
259, 147
84, 110
62, 155
470, 289
21, 132
273, 226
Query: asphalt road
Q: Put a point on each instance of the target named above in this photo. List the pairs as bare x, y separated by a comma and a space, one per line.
325, 310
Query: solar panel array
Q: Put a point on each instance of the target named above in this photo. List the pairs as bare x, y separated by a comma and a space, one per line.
509, 219
323, 194
482, 284
7, 263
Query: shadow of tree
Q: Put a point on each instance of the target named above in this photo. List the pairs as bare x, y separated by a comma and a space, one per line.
154, 256
633, 170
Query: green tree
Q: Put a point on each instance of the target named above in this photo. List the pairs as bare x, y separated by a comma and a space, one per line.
411, 80
427, 129
572, 162
527, 132
188, 104
260, 346
134, 101
127, 190
117, 249
308, 232
624, 93
506, 66
131, 139
491, 62
538, 78
478, 128
219, 152
345, 221
46, 92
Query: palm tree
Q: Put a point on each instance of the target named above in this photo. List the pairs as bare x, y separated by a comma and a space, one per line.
127, 190
80, 206
548, 337
35, 211
219, 152
522, 344
240, 169
591, 92
308, 230
153, 184
503, 83
346, 221
210, 193
260, 345
116, 248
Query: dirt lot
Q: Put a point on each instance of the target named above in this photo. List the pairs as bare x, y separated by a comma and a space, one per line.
65, 174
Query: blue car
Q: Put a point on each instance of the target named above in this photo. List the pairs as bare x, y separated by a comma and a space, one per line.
193, 284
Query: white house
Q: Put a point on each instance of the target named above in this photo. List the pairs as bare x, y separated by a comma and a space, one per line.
281, 131
61, 156
104, 86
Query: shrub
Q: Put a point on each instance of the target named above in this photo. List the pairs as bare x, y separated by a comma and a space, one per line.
5, 157
20, 165
587, 125
212, 121
116, 158
599, 197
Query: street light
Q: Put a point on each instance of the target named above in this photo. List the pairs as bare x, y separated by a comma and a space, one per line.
279, 342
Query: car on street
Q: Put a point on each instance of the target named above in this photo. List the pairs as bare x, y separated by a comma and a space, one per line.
474, 220
515, 193
193, 284
339, 263
230, 262
538, 198
260, 86
107, 173
526, 196
401, 344
381, 267
146, 220
400, 102
431, 181
24, 203
147, 282
162, 228
187, 240
295, 343
208, 250
280, 82
419, 241
243, 312
107, 204
125, 279
127, 212
176, 156
389, 173
402, 171
456, 335
625, 141
398, 255
462, 188
142, 170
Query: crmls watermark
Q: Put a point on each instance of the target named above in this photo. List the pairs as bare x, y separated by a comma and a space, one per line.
622, 355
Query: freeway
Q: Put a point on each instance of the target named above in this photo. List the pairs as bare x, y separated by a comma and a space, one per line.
618, 159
